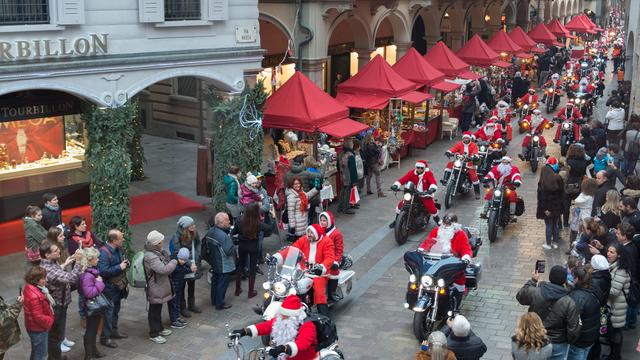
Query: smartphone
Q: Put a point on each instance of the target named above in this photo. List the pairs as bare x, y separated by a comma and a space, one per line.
540, 265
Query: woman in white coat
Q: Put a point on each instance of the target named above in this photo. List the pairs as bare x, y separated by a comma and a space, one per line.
614, 122
620, 269
298, 207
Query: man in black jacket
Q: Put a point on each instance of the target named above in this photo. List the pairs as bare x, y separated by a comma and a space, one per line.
602, 178
462, 341
630, 212
589, 307
51, 214
372, 151
219, 251
558, 311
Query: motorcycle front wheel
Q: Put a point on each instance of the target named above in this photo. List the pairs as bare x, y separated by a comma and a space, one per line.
534, 161
401, 230
493, 225
266, 340
451, 191
563, 146
422, 325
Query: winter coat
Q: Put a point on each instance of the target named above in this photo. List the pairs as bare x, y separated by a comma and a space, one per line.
469, 347
578, 170
33, 232
620, 283
38, 314
589, 307
90, 287
232, 185
615, 119
601, 164
520, 354
86, 238
298, 220
193, 246
248, 195
633, 219
50, 217
469, 100
348, 168
550, 200
425, 355
558, 311
584, 203
158, 267
600, 197
520, 87
109, 266
610, 219
10, 334
635, 194
630, 136
251, 245
220, 251
371, 153
601, 285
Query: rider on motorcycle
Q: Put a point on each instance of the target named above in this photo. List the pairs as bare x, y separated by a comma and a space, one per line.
583, 87
537, 123
291, 335
569, 112
503, 173
470, 149
504, 116
490, 131
424, 180
530, 99
319, 252
453, 240
327, 222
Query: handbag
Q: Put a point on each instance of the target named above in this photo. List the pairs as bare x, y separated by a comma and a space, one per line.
32, 255
605, 316
97, 305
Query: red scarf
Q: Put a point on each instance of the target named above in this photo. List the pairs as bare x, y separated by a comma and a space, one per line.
304, 203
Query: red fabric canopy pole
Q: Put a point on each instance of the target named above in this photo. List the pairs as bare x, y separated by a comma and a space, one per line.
502, 43
443, 59
477, 52
412, 66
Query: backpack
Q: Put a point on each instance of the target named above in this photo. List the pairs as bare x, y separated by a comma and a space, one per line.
136, 275
633, 297
326, 332
634, 145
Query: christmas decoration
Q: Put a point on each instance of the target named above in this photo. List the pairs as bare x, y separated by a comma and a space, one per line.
111, 131
137, 152
4, 157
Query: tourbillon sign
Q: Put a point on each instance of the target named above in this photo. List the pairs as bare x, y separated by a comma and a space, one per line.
94, 44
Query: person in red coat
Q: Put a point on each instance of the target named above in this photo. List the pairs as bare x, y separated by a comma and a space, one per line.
490, 131
425, 181
569, 112
537, 124
319, 253
292, 337
327, 222
530, 99
503, 173
450, 238
504, 117
38, 311
470, 149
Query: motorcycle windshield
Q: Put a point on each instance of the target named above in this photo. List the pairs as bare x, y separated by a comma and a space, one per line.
439, 249
290, 263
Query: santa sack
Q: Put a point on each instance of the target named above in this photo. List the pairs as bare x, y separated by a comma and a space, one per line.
354, 198
519, 206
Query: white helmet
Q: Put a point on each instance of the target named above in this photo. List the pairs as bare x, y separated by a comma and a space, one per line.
555, 76
584, 82
502, 104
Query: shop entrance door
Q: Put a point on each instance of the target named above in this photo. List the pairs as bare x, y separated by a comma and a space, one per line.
340, 65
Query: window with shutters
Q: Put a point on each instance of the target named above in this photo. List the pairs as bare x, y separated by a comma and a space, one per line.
178, 10
187, 86
23, 12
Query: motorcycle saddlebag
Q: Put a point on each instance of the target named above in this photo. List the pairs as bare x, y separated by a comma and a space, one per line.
519, 206
472, 274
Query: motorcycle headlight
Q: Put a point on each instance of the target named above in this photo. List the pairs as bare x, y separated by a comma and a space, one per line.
457, 163
280, 288
407, 197
550, 89
441, 283
412, 278
497, 193
426, 280
566, 126
483, 148
536, 138
266, 285
526, 106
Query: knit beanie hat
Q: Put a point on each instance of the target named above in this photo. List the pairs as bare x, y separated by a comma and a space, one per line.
251, 179
185, 221
183, 254
154, 238
558, 275
599, 262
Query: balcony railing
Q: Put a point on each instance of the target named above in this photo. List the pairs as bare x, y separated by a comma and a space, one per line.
176, 10
22, 12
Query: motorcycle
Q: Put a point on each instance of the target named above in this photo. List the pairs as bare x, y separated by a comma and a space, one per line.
552, 98
459, 181
523, 111
584, 102
566, 135
431, 276
535, 151
498, 213
488, 153
413, 215
289, 278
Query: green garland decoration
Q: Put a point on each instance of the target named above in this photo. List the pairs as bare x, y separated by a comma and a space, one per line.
137, 151
111, 131
231, 142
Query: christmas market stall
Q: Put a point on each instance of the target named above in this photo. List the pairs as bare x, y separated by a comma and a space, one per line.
582, 27
529, 47
483, 60
376, 96
425, 120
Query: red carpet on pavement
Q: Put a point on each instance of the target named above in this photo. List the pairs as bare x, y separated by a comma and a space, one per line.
144, 208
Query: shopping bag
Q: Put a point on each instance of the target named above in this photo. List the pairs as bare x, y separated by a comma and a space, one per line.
354, 198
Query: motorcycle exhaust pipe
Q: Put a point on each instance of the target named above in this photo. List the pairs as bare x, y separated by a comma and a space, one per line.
422, 304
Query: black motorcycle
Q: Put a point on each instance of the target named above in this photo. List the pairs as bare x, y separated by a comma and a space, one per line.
459, 181
488, 154
584, 103
566, 135
552, 98
430, 292
535, 151
413, 215
498, 213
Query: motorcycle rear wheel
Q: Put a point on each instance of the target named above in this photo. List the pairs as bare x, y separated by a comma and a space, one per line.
451, 191
422, 325
493, 225
266, 340
401, 230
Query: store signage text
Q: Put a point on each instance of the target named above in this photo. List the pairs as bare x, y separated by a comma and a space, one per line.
22, 124
35, 111
94, 44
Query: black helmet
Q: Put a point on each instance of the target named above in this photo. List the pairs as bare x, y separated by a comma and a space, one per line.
449, 219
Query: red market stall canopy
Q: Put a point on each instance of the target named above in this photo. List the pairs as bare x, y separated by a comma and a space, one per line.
412, 66
524, 55
343, 128
300, 105
469, 75
579, 25
375, 84
502, 43
502, 64
477, 52
446, 86
443, 59
542, 35
587, 20
522, 39
556, 27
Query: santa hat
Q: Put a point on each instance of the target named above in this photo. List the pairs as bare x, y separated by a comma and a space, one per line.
466, 134
317, 230
570, 102
505, 158
492, 120
421, 163
552, 160
329, 216
292, 306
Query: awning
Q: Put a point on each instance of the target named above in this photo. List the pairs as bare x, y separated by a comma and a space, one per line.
597, 28
538, 50
445, 86
524, 55
362, 101
469, 75
558, 44
569, 36
502, 64
416, 97
343, 128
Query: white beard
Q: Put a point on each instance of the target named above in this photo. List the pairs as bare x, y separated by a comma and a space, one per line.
444, 237
285, 330
504, 169
489, 132
502, 113
535, 121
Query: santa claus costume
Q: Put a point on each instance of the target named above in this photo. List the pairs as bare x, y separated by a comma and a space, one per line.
318, 250
504, 117
490, 131
569, 112
507, 174
292, 338
537, 123
424, 180
470, 149
530, 99
333, 233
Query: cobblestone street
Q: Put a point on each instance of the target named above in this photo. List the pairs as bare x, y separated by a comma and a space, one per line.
372, 322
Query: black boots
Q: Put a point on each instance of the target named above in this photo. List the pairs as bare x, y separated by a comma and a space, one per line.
323, 309
90, 349
393, 224
191, 298
436, 218
476, 190
252, 282
445, 178
333, 287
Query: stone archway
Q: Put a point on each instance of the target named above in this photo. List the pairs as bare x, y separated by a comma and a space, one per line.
562, 11
349, 46
554, 10
391, 35
630, 54
509, 12
452, 24
522, 14
278, 65
431, 33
